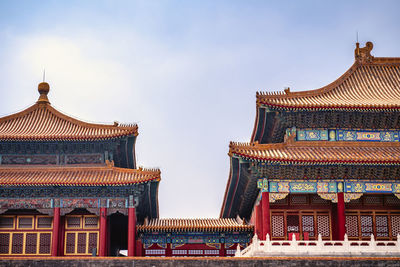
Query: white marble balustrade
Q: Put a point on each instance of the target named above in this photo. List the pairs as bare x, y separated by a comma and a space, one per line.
261, 248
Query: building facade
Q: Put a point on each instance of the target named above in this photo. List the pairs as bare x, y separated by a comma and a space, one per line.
324, 161
194, 237
69, 187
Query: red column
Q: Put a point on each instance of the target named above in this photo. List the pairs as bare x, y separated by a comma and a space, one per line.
266, 227
222, 251
131, 231
103, 232
259, 220
56, 231
168, 250
341, 217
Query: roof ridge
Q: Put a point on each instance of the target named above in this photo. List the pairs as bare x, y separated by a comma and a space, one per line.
331, 94
322, 90
89, 124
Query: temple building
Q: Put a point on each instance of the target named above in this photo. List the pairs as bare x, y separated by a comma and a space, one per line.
69, 187
323, 162
217, 237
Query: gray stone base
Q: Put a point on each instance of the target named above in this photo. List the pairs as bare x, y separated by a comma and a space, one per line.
220, 262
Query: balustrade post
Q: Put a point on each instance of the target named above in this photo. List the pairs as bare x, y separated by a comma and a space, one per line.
372, 243
237, 253
267, 244
320, 244
346, 243
398, 242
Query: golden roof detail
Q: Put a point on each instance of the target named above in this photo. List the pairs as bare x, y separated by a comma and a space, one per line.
184, 225
75, 175
42, 122
371, 83
323, 152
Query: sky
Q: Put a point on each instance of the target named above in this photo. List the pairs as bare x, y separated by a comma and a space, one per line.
186, 72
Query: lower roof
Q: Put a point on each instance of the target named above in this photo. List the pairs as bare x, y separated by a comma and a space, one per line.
320, 152
75, 175
193, 225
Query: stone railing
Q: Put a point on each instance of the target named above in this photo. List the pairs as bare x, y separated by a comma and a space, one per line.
319, 247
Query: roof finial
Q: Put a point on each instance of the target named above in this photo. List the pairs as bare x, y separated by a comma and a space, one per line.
363, 55
43, 89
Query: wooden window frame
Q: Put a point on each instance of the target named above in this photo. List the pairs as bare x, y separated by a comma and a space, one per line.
44, 228
76, 243
90, 216
13, 227
9, 243
315, 213
73, 228
38, 233
373, 213
26, 216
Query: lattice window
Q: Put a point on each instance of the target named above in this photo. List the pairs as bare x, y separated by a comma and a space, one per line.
308, 224
373, 200
4, 243
91, 222
25, 222
356, 201
298, 199
366, 225
92, 242
280, 201
44, 222
230, 252
70, 243
44, 243
392, 200
179, 252
395, 222
323, 225
211, 252
315, 199
73, 222
30, 243
382, 227
292, 222
17, 242
195, 252
81, 249
6, 222
352, 225
278, 226
155, 252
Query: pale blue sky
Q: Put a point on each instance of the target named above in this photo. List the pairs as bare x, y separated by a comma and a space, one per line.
185, 71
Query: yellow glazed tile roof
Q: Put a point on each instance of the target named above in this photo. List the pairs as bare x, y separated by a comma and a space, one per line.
94, 175
184, 225
42, 122
371, 83
320, 152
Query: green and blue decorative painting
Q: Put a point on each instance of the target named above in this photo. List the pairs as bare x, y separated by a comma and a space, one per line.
345, 135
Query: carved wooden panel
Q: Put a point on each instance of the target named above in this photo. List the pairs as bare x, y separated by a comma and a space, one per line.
29, 159
84, 159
